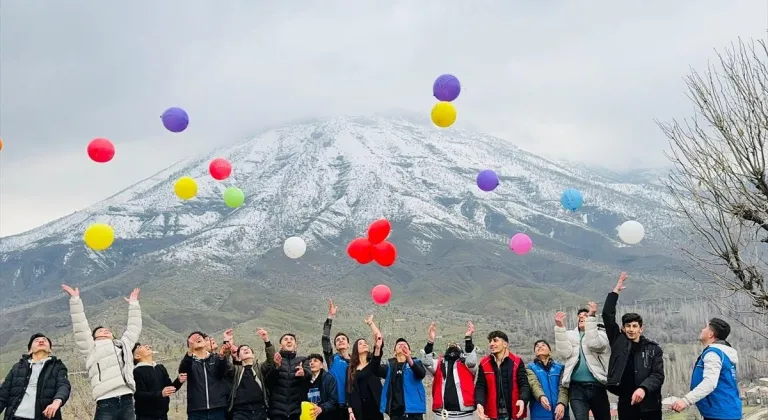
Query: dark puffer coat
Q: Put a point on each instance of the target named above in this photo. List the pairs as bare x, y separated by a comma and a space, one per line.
285, 388
51, 385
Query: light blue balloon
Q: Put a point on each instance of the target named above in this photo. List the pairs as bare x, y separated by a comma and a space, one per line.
571, 199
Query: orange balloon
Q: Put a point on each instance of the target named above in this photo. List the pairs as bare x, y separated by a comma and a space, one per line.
1, 144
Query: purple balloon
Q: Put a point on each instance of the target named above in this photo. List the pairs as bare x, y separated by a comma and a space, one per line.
487, 180
446, 88
175, 119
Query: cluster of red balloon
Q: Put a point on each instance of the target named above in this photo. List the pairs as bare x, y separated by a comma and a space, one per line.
375, 247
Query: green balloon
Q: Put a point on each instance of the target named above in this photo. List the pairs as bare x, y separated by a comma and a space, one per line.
234, 197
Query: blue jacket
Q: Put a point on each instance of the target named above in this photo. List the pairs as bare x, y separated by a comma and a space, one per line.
338, 369
550, 383
724, 402
413, 389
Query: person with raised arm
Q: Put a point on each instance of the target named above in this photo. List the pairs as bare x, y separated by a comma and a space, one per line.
636, 367
545, 378
109, 361
207, 387
403, 395
363, 383
286, 382
502, 388
586, 352
453, 372
154, 386
337, 362
248, 398
37, 386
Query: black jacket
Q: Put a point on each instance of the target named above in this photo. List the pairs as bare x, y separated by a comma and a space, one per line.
329, 394
51, 385
207, 387
648, 360
285, 388
150, 381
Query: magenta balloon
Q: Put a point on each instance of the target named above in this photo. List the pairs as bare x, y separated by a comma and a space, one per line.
521, 244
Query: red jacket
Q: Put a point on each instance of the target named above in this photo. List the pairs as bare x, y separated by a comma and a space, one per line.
465, 385
491, 392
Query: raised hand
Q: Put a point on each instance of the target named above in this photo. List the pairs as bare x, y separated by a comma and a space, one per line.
560, 319
379, 342
277, 359
592, 308
70, 291
229, 335
262, 333
407, 352
470, 329
620, 284
134, 297
369, 320
432, 332
332, 309
299, 371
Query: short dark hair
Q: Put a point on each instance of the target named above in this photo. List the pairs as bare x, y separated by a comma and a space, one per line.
200, 333
497, 334
631, 317
287, 335
93, 332
242, 346
720, 328
316, 356
581, 311
36, 336
340, 334
542, 341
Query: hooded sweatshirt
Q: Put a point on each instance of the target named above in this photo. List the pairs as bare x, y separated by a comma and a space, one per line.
714, 386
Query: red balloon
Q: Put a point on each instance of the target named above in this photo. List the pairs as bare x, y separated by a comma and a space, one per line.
220, 169
381, 294
385, 253
378, 231
101, 150
360, 250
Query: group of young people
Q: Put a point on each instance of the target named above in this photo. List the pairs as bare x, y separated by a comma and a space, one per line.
352, 380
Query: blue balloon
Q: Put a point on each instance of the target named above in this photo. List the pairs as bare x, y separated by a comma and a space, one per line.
572, 199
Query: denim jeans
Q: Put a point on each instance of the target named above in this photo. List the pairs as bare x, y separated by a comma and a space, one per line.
117, 408
586, 396
212, 414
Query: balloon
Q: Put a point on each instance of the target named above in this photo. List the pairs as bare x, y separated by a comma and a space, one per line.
446, 88
294, 247
99, 236
571, 199
220, 169
175, 119
101, 150
378, 231
185, 188
360, 250
385, 253
631, 232
443, 114
1, 144
381, 294
521, 244
307, 410
487, 180
234, 197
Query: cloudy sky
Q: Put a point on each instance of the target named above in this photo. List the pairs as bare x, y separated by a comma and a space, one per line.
570, 79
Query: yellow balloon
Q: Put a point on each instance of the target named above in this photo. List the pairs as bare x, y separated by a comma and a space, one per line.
99, 236
307, 408
185, 187
443, 114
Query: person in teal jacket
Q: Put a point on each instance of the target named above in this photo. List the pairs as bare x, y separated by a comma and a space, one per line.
403, 395
550, 397
714, 383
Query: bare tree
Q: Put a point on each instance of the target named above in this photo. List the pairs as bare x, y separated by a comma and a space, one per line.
719, 178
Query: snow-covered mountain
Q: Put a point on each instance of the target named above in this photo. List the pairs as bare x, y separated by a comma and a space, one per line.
326, 180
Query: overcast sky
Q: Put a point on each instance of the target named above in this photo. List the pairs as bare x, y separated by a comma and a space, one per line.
581, 80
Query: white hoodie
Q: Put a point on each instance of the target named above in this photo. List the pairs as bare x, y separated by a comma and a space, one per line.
712, 366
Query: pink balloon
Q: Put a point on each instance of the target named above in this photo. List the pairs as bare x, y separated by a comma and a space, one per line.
521, 244
381, 294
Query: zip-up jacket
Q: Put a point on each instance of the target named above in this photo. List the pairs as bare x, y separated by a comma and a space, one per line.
595, 345
207, 387
329, 398
285, 388
151, 378
413, 388
52, 384
714, 383
260, 371
648, 360
337, 365
545, 382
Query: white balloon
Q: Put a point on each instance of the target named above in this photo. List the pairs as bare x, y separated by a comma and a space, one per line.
294, 247
631, 232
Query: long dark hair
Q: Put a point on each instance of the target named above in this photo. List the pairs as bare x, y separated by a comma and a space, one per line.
354, 362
